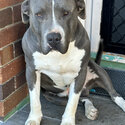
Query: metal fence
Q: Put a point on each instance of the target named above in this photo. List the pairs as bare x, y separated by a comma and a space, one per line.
113, 26
118, 27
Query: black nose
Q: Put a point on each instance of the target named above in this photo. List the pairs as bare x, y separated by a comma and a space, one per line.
54, 38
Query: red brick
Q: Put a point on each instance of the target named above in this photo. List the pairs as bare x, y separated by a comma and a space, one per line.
17, 13
1, 108
11, 69
6, 54
5, 17
6, 89
11, 34
13, 100
18, 49
20, 79
6, 3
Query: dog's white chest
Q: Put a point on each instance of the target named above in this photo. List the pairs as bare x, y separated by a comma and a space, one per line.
61, 68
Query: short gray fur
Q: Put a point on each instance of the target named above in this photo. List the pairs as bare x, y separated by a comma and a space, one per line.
39, 14
33, 38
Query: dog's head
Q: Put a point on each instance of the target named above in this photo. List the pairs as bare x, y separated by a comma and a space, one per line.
54, 22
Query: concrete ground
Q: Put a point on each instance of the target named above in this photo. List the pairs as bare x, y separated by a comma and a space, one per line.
109, 114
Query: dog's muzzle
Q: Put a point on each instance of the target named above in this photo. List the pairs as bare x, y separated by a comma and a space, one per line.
54, 40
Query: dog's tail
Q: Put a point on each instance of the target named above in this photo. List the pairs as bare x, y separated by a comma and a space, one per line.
99, 53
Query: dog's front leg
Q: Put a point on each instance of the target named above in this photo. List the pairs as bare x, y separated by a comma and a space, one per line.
35, 115
70, 111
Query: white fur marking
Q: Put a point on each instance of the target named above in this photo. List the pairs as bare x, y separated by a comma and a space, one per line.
61, 68
120, 102
70, 111
63, 94
35, 113
55, 26
35, 94
90, 75
53, 12
90, 111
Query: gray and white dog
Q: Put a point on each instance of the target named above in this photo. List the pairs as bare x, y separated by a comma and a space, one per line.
57, 55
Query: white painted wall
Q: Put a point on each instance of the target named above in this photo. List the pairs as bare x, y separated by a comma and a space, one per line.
93, 21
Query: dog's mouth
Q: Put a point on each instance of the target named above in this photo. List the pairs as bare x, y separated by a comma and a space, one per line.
55, 47
58, 47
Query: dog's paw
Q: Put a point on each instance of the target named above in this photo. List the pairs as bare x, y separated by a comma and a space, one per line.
91, 113
34, 120
68, 121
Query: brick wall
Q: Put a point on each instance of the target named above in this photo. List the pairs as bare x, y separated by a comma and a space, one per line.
12, 67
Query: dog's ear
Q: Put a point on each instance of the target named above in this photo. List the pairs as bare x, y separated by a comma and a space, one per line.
25, 11
81, 8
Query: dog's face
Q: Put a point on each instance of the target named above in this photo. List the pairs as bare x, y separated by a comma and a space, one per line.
54, 22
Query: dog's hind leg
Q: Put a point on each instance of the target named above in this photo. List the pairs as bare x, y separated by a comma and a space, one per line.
115, 96
90, 111
105, 83
120, 102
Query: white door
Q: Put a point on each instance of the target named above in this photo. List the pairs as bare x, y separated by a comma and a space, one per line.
92, 22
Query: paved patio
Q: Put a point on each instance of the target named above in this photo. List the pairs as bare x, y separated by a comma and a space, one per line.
109, 114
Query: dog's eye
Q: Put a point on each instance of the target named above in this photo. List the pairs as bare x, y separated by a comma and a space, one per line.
66, 13
39, 15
